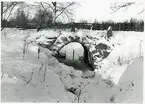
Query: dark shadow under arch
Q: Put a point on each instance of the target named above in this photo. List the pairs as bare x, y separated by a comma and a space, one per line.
85, 54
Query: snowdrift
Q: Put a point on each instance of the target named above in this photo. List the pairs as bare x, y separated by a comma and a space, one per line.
121, 56
15, 85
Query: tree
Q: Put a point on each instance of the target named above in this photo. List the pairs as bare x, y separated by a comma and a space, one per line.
43, 17
21, 19
6, 10
58, 9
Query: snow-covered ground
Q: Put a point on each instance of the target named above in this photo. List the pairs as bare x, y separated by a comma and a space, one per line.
24, 79
122, 56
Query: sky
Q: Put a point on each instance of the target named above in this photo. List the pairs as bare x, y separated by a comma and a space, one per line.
99, 10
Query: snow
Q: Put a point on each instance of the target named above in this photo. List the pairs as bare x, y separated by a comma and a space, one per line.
123, 54
20, 70
17, 71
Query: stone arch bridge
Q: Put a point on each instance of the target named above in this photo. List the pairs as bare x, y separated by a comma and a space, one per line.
95, 48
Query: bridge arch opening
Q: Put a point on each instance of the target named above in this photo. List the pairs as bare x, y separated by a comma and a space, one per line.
80, 59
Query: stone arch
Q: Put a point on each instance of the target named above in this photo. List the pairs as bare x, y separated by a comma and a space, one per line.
63, 40
94, 51
95, 48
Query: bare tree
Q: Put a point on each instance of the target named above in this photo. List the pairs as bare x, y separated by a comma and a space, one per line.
58, 9
43, 17
6, 10
21, 19
124, 5
2, 10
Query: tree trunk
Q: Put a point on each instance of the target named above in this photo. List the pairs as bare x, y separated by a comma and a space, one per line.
1, 10
1, 15
54, 17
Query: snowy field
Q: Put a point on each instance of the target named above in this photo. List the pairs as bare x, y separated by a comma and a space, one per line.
46, 80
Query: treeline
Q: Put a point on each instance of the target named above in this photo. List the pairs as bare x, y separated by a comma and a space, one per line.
46, 19
131, 25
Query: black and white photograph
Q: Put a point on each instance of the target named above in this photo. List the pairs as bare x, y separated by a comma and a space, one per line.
75, 51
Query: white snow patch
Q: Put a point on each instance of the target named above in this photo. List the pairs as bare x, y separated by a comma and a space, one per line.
117, 61
9, 79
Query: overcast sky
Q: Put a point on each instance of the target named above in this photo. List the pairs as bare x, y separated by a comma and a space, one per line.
100, 10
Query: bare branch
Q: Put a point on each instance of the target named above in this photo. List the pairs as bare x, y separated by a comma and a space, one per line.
84, 86
57, 9
2, 65
31, 76
74, 99
43, 7
11, 11
42, 64
8, 5
54, 41
8, 8
63, 9
49, 6
143, 9
117, 6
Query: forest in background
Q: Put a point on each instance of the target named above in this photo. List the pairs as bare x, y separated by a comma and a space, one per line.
50, 15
